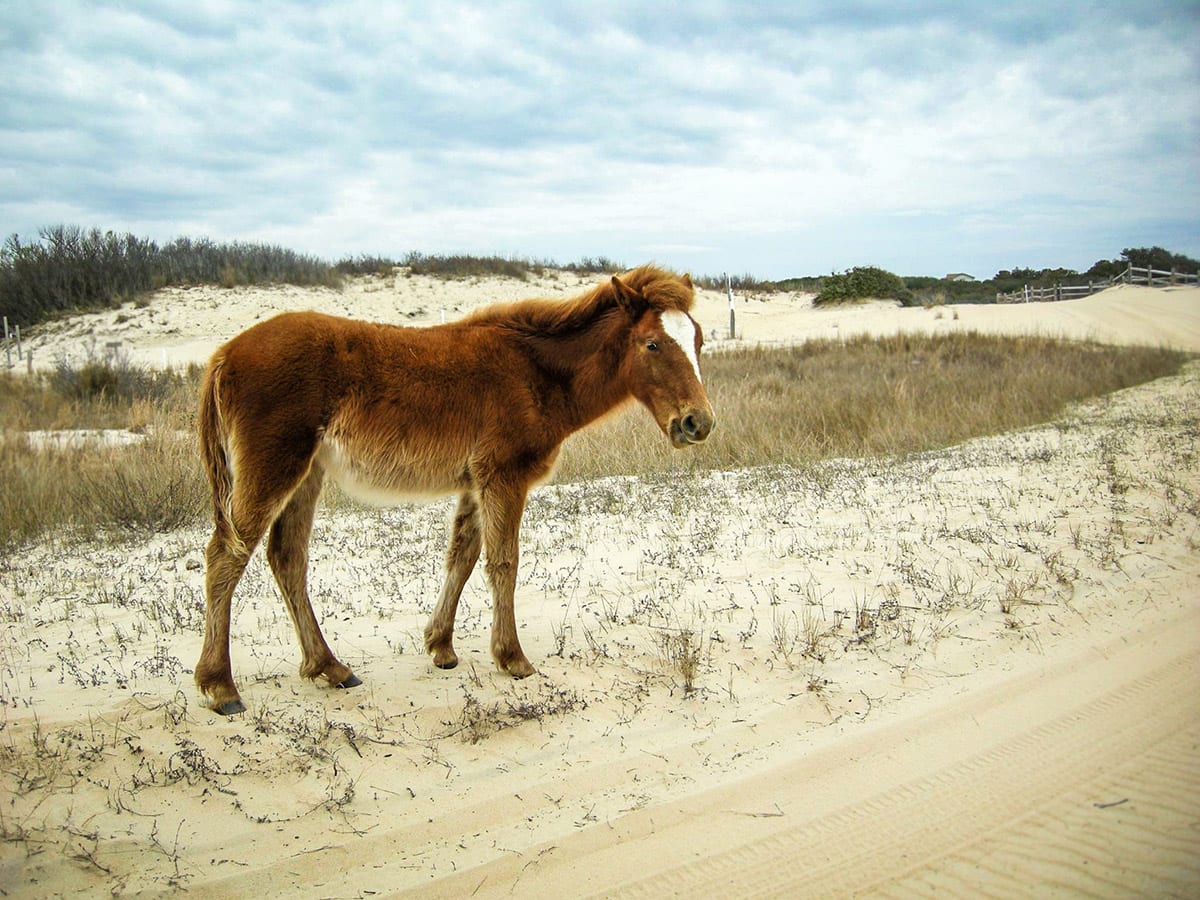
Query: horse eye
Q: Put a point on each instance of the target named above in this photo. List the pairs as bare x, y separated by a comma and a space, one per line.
652, 346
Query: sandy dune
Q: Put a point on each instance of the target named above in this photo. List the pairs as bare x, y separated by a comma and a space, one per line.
184, 325
968, 672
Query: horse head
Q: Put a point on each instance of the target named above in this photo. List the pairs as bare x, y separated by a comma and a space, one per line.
663, 355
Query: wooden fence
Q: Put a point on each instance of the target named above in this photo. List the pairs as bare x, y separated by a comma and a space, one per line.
13, 347
1131, 275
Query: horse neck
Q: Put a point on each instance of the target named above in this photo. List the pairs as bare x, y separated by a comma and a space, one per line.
589, 363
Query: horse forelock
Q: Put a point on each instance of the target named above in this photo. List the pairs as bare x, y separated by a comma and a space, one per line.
662, 290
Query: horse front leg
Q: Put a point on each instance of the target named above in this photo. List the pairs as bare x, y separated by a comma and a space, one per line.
503, 506
463, 553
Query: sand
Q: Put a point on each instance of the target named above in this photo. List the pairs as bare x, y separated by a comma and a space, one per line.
967, 672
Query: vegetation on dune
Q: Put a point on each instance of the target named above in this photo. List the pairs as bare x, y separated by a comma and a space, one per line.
465, 266
859, 398
71, 269
863, 281
911, 290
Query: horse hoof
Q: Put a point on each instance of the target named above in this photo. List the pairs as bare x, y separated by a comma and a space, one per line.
520, 669
230, 708
352, 681
446, 664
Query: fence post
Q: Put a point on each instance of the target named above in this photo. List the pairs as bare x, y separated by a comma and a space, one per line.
7, 346
732, 313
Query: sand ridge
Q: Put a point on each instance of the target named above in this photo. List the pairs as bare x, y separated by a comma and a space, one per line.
970, 671
179, 326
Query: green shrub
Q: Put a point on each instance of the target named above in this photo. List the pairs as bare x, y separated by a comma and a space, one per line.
862, 282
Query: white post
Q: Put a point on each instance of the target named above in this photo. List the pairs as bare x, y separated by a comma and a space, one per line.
732, 312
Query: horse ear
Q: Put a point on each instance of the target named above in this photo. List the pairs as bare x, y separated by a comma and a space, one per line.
687, 279
627, 298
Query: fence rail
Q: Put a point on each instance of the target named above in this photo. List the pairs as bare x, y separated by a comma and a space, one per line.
1131, 275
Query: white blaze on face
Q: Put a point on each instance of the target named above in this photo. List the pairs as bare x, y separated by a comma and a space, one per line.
682, 330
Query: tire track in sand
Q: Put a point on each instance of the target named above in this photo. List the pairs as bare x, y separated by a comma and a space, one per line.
1080, 778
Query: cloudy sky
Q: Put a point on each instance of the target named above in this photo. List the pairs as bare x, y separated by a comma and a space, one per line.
768, 138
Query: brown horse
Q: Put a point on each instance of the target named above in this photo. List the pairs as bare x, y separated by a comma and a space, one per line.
477, 407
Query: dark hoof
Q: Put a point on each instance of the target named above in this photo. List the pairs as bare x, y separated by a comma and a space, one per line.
352, 681
230, 708
447, 665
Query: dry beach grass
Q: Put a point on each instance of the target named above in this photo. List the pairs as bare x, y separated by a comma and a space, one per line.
824, 398
704, 629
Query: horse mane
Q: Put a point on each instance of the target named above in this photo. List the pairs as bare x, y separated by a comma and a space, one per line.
661, 290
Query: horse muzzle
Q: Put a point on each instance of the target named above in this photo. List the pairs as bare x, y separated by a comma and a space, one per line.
693, 427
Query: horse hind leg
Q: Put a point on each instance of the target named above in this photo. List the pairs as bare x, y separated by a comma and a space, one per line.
287, 553
266, 484
229, 549
463, 554
214, 671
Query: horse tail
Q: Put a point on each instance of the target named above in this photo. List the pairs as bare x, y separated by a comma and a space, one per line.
215, 453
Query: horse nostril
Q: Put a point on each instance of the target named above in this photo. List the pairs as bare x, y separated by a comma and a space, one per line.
690, 426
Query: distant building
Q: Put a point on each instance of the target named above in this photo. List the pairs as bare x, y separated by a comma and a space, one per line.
959, 276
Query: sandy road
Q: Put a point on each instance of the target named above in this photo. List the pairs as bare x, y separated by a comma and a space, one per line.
1081, 776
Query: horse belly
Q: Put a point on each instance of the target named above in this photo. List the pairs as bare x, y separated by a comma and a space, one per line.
392, 478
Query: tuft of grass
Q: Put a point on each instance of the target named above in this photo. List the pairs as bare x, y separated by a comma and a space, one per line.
682, 652
479, 720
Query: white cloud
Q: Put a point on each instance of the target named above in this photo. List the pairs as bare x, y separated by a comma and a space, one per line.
780, 137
